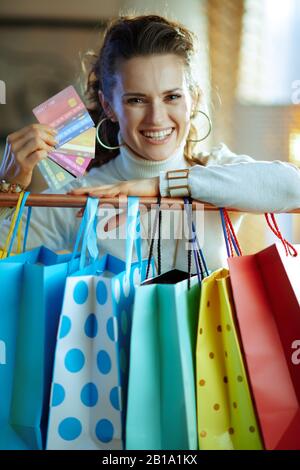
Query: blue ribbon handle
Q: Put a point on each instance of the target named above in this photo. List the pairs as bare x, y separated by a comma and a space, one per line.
89, 243
133, 233
21, 210
86, 232
27, 228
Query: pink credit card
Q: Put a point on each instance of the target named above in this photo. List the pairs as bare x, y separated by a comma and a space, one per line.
60, 108
74, 164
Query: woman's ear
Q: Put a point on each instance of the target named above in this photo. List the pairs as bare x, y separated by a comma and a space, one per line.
106, 107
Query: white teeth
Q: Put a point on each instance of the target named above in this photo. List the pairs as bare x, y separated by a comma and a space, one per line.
157, 135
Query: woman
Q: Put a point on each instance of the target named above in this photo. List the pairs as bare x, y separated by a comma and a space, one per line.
142, 84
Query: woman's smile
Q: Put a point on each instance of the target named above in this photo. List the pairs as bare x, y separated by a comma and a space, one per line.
158, 137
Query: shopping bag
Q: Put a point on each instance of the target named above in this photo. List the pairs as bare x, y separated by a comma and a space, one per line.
31, 330
266, 290
11, 285
30, 310
161, 412
225, 413
88, 403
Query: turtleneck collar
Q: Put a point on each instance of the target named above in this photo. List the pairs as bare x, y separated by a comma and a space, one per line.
131, 166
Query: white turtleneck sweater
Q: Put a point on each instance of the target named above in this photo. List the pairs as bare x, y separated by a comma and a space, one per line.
226, 180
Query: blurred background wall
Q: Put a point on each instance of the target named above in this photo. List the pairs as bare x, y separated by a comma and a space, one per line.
248, 67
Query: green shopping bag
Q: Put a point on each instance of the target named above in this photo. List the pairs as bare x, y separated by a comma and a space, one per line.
161, 412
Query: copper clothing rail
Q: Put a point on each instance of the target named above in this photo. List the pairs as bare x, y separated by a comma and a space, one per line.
63, 200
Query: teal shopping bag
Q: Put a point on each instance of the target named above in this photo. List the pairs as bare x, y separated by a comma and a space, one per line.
30, 324
161, 412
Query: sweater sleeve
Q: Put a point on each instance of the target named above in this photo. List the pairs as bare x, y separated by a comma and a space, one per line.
239, 182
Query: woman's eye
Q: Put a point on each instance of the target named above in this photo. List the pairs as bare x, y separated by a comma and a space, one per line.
135, 100
173, 97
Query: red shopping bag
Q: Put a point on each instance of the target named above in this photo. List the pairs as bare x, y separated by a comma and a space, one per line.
266, 290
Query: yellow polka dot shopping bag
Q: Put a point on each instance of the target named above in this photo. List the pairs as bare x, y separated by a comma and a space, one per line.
225, 412
88, 400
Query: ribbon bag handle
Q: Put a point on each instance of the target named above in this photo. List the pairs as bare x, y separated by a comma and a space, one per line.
289, 248
133, 233
12, 227
157, 221
86, 232
198, 254
27, 228
230, 237
16, 226
200, 263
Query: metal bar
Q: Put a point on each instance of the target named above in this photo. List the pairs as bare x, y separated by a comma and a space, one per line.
66, 200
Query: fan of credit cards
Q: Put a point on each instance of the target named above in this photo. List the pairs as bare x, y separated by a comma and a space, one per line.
75, 137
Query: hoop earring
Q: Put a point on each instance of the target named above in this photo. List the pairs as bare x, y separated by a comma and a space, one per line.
209, 130
100, 141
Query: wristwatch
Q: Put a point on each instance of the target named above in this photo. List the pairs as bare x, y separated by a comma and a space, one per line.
6, 187
178, 183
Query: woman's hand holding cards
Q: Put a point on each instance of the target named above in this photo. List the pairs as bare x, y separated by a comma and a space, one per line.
24, 149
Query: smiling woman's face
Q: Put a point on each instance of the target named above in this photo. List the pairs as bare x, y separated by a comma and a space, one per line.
152, 103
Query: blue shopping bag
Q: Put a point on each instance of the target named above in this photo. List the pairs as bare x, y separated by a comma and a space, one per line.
31, 306
89, 389
11, 284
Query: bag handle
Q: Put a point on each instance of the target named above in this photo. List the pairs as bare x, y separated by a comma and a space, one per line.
27, 228
198, 254
200, 263
18, 226
232, 242
86, 233
15, 226
289, 248
157, 220
133, 233
12, 226
230, 237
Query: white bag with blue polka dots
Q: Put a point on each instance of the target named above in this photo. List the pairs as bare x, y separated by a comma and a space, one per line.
89, 388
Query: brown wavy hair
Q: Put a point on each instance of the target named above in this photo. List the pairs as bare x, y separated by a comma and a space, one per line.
127, 37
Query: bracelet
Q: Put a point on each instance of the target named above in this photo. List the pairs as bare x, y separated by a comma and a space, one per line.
178, 183
6, 187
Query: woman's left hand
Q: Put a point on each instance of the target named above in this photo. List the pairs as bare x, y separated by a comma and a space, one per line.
144, 187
